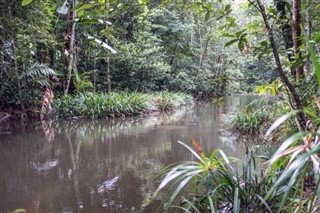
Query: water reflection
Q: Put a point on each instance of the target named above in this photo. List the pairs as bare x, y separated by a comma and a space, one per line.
105, 165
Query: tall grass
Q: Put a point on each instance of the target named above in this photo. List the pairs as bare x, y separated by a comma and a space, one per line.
256, 117
117, 104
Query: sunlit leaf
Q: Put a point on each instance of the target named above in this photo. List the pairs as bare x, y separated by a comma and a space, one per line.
26, 2
18, 211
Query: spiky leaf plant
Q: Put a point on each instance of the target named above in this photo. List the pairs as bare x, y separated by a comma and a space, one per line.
214, 185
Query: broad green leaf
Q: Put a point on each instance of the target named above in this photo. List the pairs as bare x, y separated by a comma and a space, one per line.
228, 7
238, 34
26, 2
244, 40
228, 35
207, 16
230, 42
241, 46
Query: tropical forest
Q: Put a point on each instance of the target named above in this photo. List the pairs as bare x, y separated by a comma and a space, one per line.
142, 106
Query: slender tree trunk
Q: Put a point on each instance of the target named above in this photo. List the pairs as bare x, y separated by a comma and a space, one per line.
200, 41
1, 58
309, 32
296, 34
283, 77
192, 30
108, 72
2, 40
204, 53
71, 61
94, 77
108, 65
173, 57
286, 31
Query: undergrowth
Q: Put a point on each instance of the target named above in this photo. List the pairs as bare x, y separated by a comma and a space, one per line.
256, 118
115, 104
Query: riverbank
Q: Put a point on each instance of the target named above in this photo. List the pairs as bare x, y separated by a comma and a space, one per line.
117, 104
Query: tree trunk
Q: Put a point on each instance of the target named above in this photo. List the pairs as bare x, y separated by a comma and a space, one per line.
71, 50
1, 58
286, 31
108, 66
108, 72
200, 41
192, 30
296, 35
283, 77
309, 32
204, 54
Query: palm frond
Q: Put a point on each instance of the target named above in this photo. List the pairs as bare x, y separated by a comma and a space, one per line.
37, 72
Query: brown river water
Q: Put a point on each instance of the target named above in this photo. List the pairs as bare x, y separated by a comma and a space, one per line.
105, 165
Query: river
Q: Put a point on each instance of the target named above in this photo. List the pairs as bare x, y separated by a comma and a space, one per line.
105, 165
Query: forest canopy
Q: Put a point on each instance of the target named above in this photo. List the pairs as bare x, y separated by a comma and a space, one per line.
204, 48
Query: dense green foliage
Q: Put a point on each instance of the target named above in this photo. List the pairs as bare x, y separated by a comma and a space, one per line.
290, 182
146, 46
99, 105
82, 50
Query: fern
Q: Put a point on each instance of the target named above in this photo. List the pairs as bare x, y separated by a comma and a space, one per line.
38, 73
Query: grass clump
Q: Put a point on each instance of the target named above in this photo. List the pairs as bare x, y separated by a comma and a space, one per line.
115, 104
256, 117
